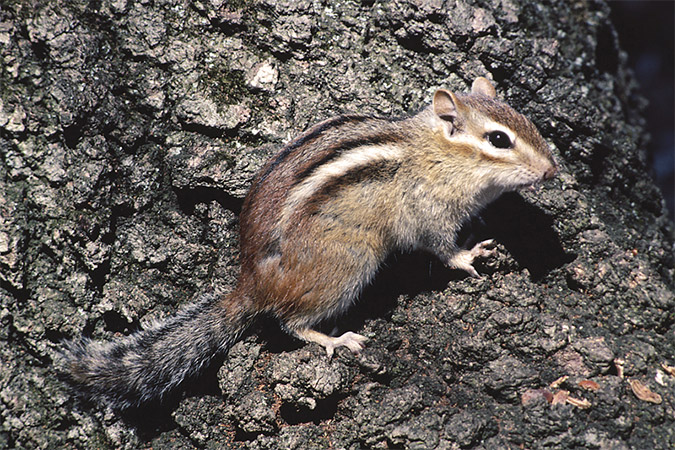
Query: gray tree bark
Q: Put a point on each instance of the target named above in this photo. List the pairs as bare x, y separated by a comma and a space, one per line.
130, 131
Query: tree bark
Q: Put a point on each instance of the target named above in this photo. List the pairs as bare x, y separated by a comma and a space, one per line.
129, 134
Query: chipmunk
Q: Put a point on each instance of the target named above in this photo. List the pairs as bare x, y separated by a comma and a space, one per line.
317, 223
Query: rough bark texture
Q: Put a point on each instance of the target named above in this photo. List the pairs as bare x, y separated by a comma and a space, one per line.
130, 130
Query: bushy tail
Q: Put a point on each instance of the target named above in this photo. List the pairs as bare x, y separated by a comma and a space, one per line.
148, 364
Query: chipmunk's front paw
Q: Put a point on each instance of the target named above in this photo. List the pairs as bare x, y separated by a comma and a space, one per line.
484, 249
464, 258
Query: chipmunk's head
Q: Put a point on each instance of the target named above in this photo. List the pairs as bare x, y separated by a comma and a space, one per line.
502, 146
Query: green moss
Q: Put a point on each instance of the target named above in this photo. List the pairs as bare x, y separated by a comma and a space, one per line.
225, 85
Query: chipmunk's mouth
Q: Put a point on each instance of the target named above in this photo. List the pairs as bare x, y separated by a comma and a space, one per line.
529, 178
537, 183
532, 186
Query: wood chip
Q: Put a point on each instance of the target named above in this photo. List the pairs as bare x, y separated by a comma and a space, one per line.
547, 395
644, 393
669, 369
556, 384
618, 363
579, 403
589, 385
560, 398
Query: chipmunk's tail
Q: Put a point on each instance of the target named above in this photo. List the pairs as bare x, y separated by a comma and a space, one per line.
150, 363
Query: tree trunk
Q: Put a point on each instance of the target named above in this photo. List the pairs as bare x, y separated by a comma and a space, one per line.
130, 132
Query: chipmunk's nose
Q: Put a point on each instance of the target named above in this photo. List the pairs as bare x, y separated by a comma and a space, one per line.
550, 172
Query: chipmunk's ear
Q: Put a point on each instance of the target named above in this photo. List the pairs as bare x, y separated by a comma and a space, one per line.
445, 105
484, 87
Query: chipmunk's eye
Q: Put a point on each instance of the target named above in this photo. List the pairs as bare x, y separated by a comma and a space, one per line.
499, 139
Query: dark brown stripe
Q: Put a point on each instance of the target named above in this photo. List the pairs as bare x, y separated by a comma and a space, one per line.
379, 139
308, 137
376, 171
272, 247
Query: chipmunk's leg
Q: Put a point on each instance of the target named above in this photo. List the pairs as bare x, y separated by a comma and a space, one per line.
464, 259
354, 342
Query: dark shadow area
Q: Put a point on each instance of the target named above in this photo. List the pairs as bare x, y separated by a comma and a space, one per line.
212, 132
598, 162
527, 233
73, 133
189, 198
99, 276
645, 30
605, 55
243, 436
325, 409
276, 340
116, 323
415, 42
151, 420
